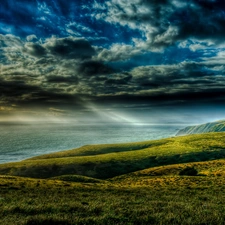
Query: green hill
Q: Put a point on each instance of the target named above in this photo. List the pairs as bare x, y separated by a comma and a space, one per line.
218, 126
147, 177
145, 184
107, 161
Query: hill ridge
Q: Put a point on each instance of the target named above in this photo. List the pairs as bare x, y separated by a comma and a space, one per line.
185, 149
217, 126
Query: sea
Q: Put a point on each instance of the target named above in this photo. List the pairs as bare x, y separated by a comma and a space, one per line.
19, 141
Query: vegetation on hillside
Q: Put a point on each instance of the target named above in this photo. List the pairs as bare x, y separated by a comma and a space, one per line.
149, 200
218, 126
170, 181
102, 162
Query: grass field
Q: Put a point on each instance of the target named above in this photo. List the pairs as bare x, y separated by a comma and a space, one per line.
107, 161
135, 183
152, 200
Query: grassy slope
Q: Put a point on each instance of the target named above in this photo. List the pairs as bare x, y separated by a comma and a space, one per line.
106, 161
218, 126
156, 195
209, 170
77, 178
92, 150
151, 200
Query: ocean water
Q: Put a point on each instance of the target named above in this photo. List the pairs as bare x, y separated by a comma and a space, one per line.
21, 141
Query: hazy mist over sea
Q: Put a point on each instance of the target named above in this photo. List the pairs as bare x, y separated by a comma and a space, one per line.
19, 141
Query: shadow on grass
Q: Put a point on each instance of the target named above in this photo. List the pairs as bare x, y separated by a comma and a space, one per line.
113, 167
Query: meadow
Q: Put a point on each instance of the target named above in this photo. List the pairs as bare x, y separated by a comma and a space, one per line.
133, 183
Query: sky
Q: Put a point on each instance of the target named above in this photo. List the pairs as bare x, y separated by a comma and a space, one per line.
136, 61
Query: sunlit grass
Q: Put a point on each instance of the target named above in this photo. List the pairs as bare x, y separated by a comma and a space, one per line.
144, 186
208, 168
148, 200
106, 161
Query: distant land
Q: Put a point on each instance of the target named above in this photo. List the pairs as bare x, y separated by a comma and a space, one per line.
217, 126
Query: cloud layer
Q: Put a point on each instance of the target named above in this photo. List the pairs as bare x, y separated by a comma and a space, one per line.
63, 55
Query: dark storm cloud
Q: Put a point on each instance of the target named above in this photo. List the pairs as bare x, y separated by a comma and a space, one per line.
93, 68
118, 79
60, 79
63, 69
35, 49
202, 19
189, 99
66, 48
15, 88
71, 48
18, 92
165, 22
55, 70
111, 84
175, 84
177, 77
